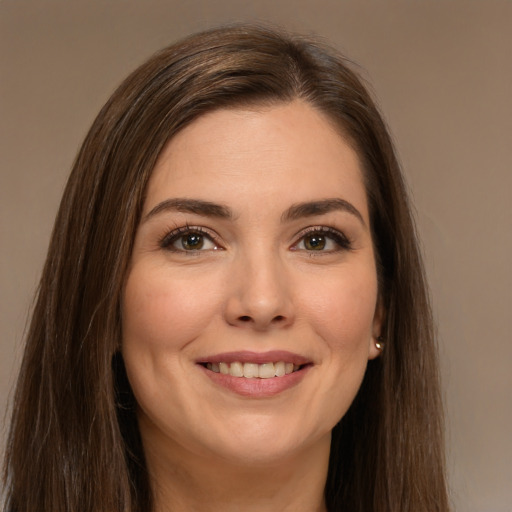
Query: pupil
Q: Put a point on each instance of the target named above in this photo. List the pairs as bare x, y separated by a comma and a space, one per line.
315, 242
192, 241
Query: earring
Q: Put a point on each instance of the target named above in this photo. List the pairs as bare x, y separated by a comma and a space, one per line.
379, 343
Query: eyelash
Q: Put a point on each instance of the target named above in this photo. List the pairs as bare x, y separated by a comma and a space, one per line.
167, 241
339, 238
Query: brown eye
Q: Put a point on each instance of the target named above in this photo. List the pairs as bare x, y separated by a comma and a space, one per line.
191, 241
315, 242
322, 240
188, 240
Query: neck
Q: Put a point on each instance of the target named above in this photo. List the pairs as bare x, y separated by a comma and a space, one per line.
183, 481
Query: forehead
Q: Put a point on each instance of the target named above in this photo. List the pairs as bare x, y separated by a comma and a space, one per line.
283, 152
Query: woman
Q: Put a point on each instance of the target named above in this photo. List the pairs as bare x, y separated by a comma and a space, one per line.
233, 312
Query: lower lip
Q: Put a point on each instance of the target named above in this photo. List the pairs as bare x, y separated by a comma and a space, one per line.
257, 388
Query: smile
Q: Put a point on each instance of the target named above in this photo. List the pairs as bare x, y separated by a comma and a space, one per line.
253, 370
256, 374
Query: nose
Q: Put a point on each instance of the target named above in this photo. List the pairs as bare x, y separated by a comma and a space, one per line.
260, 295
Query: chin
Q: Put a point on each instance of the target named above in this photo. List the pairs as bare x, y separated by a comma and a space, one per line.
262, 442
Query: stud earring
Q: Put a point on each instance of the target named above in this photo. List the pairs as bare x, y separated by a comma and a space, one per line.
379, 343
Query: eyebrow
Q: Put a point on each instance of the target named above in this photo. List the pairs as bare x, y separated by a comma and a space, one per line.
296, 211
312, 208
197, 206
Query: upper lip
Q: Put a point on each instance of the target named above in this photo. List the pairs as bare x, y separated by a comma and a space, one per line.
246, 356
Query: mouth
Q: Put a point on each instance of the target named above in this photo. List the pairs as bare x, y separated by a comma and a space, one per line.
253, 370
256, 374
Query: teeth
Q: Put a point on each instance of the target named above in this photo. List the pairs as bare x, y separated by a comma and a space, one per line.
236, 369
280, 369
254, 370
266, 371
250, 370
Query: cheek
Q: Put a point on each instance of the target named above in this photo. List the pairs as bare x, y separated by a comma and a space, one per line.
162, 314
164, 311
339, 307
343, 311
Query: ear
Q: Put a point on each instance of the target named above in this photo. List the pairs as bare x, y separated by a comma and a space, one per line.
375, 348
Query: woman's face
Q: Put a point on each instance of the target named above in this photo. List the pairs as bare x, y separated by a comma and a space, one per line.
253, 257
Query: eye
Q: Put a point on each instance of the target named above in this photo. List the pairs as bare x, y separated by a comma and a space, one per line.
322, 239
188, 239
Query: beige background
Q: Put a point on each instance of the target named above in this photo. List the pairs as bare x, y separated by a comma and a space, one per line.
442, 71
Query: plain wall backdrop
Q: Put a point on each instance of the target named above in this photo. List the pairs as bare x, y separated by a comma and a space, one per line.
442, 74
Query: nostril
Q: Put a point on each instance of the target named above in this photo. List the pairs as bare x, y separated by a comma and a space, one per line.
263, 321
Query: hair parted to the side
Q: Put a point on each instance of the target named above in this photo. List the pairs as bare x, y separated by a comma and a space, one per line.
74, 443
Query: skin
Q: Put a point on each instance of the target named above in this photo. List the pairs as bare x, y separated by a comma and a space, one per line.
254, 285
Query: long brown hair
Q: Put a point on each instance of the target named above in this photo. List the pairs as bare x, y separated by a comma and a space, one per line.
74, 443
